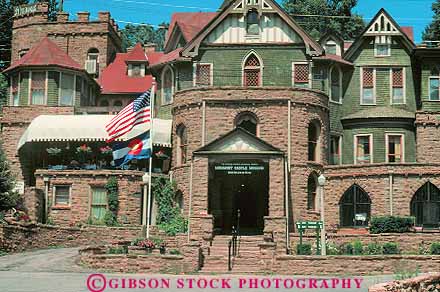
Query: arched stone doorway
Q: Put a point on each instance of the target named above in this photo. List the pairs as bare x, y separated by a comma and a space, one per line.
355, 207
425, 206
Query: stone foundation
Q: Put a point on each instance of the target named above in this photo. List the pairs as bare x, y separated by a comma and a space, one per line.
14, 238
187, 262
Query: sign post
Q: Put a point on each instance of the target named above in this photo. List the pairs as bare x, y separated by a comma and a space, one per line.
316, 225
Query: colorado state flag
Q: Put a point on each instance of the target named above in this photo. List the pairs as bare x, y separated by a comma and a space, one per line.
136, 148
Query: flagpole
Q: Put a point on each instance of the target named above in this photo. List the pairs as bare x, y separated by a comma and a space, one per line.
150, 167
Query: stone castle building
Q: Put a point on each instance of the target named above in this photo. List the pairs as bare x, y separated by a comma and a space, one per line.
259, 110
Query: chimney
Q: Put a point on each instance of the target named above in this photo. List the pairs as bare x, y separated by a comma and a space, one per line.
83, 16
104, 16
149, 47
62, 16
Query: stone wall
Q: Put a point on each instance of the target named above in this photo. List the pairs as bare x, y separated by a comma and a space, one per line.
428, 136
221, 106
406, 179
187, 262
408, 242
15, 238
353, 265
425, 283
82, 182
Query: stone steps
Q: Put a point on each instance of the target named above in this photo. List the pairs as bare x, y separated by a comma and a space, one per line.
246, 262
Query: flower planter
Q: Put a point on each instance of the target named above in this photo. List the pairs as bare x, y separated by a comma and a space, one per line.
137, 250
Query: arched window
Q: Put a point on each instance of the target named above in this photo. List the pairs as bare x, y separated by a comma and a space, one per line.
336, 84
252, 23
103, 103
92, 62
312, 191
314, 141
167, 85
117, 103
252, 71
425, 206
355, 207
247, 121
178, 200
182, 144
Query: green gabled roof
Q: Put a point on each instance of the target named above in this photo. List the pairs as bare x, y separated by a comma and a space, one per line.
381, 112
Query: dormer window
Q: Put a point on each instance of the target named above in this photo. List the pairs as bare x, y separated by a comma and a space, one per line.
382, 46
92, 62
253, 23
136, 70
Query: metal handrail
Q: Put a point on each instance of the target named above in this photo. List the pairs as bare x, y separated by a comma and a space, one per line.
233, 242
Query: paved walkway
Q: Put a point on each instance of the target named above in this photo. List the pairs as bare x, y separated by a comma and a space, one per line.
54, 270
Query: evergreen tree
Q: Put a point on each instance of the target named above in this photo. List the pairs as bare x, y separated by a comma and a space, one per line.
6, 15
8, 197
348, 24
432, 31
133, 34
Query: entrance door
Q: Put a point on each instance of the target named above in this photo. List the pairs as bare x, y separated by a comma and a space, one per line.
238, 195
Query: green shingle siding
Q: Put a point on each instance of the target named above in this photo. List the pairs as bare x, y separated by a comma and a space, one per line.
378, 143
277, 64
24, 88
53, 88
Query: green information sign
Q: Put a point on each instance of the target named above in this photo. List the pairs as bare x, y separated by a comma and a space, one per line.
239, 168
316, 225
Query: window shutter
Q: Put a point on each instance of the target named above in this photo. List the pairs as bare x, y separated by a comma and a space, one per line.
203, 74
368, 77
397, 77
301, 73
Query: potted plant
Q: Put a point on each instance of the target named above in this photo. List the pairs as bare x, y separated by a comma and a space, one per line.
54, 155
147, 244
105, 156
162, 248
83, 153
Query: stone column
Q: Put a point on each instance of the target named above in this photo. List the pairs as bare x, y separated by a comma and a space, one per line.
201, 224
275, 223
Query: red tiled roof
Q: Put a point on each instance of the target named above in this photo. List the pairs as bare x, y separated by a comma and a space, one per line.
190, 23
154, 57
46, 53
137, 54
166, 58
114, 78
409, 31
335, 58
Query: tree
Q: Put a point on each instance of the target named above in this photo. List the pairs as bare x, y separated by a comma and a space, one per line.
133, 34
432, 31
6, 15
6, 19
342, 20
53, 8
8, 197
3, 90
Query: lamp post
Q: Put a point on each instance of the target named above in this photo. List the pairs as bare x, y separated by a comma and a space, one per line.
321, 182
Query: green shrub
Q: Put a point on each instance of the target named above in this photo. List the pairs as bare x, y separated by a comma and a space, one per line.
390, 248
358, 248
157, 241
111, 216
373, 248
304, 249
435, 248
110, 219
174, 252
169, 217
391, 224
346, 249
332, 249
118, 250
136, 241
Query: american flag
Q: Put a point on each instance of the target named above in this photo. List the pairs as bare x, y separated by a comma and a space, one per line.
136, 113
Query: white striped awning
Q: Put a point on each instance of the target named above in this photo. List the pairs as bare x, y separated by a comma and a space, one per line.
84, 128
